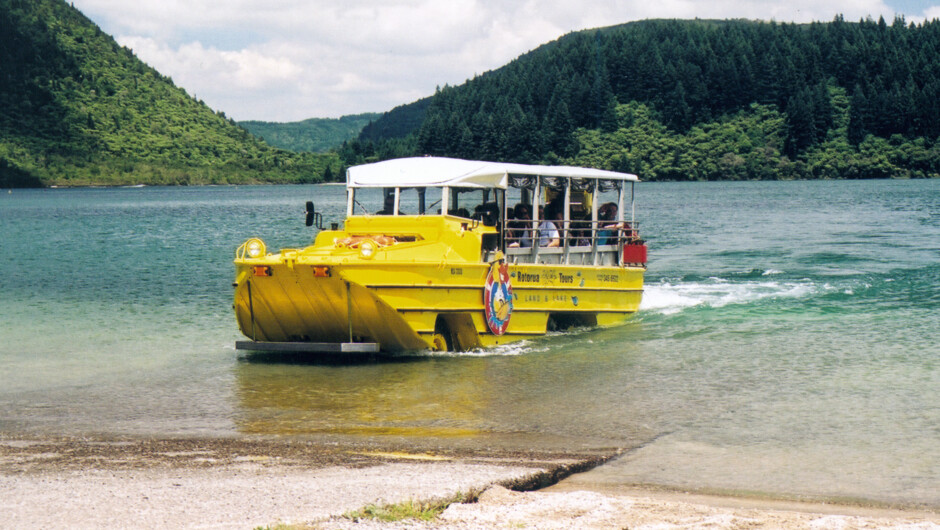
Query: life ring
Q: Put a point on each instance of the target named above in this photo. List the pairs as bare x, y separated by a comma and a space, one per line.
497, 298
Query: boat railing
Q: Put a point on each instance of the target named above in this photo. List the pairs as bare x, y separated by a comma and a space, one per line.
580, 242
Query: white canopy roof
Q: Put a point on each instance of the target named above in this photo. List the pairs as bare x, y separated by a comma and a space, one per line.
436, 171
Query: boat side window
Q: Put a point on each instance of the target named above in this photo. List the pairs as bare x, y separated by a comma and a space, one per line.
470, 203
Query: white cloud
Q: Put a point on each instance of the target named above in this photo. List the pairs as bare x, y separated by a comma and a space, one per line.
210, 68
284, 60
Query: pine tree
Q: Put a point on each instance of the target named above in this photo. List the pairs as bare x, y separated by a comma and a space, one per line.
558, 126
801, 123
676, 111
858, 113
822, 111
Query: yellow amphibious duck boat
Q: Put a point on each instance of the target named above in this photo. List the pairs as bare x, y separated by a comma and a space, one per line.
448, 254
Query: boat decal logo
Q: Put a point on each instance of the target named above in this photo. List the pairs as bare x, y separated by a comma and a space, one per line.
497, 298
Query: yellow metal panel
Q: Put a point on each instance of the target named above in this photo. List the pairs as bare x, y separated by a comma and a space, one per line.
424, 268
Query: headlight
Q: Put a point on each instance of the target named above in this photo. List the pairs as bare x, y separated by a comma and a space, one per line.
367, 249
254, 248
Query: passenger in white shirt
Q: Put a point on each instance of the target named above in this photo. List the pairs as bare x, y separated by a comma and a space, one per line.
548, 232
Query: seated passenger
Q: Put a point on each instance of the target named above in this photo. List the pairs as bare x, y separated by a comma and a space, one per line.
629, 233
520, 230
607, 217
580, 233
548, 232
491, 214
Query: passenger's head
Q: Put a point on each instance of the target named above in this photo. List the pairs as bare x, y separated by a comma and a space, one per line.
523, 211
553, 212
607, 212
490, 213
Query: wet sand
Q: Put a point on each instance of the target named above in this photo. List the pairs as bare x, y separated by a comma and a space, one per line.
239, 483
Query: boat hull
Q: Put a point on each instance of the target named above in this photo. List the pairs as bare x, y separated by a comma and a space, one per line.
409, 306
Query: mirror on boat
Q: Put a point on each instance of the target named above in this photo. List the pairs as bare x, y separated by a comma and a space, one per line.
314, 218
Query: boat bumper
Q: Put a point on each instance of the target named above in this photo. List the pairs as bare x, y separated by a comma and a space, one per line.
308, 347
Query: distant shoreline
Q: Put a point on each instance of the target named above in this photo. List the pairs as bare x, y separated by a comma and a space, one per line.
645, 182
132, 186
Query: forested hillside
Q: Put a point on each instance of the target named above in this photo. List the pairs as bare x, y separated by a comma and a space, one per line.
316, 135
666, 99
399, 122
706, 100
77, 109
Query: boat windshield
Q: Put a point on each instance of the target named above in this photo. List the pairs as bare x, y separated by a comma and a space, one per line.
470, 203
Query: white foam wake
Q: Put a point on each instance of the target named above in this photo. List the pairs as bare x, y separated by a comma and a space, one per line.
668, 297
512, 349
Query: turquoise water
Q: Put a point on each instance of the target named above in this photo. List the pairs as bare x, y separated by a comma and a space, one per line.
786, 345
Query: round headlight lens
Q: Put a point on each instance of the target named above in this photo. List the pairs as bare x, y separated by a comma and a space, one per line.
367, 249
254, 248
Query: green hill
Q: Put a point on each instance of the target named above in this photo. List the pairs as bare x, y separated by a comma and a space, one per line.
703, 100
398, 122
316, 135
78, 109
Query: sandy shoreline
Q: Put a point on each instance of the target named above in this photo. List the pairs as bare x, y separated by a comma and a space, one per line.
238, 483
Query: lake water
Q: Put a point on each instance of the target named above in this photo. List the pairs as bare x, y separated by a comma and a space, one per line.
787, 344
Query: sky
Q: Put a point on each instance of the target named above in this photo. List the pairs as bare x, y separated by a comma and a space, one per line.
289, 60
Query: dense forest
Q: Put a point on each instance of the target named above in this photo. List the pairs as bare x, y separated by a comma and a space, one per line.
78, 109
699, 100
315, 135
399, 122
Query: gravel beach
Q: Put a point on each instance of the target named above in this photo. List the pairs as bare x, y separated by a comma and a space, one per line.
226, 483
